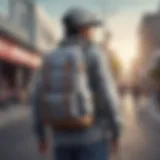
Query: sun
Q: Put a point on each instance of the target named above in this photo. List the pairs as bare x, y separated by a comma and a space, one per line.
126, 52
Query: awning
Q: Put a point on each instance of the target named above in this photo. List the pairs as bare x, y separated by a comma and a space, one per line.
13, 53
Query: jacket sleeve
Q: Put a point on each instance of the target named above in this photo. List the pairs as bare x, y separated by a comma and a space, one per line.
107, 91
35, 104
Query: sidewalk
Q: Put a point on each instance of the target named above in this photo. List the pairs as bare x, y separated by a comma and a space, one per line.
13, 114
148, 112
153, 108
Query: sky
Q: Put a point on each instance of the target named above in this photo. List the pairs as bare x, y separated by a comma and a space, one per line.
57, 7
122, 16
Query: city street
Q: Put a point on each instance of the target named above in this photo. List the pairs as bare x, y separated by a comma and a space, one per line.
140, 138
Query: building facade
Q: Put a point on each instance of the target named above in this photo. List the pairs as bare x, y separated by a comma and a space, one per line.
149, 42
18, 59
36, 23
45, 30
25, 34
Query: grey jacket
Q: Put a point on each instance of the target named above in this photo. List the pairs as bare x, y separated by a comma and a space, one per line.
101, 83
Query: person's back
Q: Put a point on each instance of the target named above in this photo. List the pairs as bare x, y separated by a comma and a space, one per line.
89, 143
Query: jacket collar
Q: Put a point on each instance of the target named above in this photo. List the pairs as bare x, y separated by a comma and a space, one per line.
80, 41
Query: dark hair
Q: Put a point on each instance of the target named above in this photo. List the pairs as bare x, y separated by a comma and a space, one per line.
70, 28
71, 31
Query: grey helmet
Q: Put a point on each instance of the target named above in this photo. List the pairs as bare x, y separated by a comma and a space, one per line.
80, 17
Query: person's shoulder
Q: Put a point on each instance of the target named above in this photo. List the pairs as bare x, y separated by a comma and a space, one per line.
95, 48
48, 55
95, 52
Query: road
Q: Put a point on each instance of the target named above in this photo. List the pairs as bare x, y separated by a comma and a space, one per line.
140, 137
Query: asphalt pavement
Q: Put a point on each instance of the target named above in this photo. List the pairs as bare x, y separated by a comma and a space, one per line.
13, 114
140, 138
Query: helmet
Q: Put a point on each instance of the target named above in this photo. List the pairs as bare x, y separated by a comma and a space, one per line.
80, 17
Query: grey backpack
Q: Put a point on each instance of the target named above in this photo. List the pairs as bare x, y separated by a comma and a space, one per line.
66, 101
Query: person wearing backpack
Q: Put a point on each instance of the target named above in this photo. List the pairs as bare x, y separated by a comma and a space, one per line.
75, 95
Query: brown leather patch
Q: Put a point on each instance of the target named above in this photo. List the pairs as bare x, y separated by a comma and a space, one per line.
71, 123
81, 68
67, 66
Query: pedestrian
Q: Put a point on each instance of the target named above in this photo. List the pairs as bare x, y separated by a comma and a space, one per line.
75, 95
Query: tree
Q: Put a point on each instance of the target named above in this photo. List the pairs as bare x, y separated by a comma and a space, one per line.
115, 64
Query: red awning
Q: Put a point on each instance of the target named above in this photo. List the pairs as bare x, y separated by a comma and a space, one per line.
13, 53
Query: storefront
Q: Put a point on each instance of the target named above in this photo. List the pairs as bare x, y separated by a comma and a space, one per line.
17, 64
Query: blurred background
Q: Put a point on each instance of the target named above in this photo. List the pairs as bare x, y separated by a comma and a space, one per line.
130, 39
